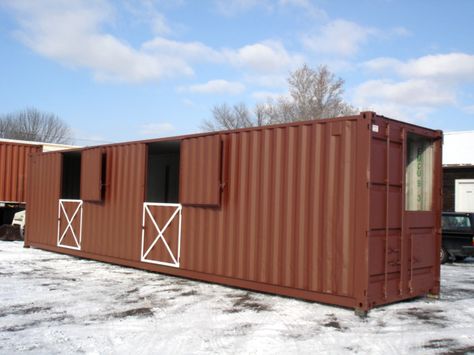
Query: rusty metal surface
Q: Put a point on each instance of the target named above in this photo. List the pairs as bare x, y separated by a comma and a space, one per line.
13, 170
298, 212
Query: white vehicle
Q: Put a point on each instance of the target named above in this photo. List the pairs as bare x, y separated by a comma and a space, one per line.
19, 219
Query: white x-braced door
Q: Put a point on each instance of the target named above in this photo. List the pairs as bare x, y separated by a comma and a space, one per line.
70, 224
161, 233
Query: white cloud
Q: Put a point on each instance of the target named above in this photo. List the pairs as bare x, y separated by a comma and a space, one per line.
382, 64
156, 129
195, 51
159, 24
469, 109
416, 92
146, 11
70, 33
216, 87
264, 57
418, 115
451, 67
417, 86
339, 37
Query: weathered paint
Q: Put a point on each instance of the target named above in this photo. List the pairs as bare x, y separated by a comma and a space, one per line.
313, 210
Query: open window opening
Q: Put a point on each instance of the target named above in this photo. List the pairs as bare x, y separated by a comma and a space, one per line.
419, 173
71, 176
163, 172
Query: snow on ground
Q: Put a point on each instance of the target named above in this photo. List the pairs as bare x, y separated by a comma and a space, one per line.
52, 303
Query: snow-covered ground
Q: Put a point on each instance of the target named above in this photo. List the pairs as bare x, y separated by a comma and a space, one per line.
54, 303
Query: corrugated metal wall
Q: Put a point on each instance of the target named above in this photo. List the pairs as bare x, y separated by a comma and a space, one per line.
201, 157
91, 174
44, 186
13, 170
113, 227
287, 212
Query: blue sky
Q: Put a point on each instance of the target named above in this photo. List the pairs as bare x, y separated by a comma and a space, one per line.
133, 69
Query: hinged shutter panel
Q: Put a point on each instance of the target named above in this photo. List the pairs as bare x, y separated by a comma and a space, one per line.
91, 175
200, 172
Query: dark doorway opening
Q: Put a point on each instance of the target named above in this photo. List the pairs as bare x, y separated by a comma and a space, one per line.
71, 176
163, 172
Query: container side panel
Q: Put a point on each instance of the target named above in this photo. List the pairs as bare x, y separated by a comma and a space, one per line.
200, 171
91, 174
113, 227
287, 213
44, 183
13, 170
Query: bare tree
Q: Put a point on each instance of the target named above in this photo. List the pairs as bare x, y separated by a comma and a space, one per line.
317, 94
225, 117
33, 125
313, 94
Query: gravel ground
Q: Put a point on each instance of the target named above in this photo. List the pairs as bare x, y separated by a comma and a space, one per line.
54, 303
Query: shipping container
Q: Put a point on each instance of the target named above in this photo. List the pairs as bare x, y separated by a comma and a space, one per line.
344, 211
13, 173
13, 170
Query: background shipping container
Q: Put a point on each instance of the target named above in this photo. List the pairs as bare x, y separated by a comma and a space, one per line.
14, 156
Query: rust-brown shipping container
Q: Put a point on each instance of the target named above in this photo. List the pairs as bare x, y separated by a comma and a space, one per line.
343, 211
13, 167
14, 156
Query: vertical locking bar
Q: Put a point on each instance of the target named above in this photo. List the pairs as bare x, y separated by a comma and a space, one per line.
387, 205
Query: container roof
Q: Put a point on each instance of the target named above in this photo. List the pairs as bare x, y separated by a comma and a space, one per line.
458, 148
47, 147
365, 114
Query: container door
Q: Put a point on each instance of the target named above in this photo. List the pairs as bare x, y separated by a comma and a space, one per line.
200, 177
69, 224
161, 233
70, 205
161, 221
386, 199
420, 263
404, 234
92, 174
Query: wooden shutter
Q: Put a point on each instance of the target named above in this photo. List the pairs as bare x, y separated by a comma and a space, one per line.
91, 174
200, 171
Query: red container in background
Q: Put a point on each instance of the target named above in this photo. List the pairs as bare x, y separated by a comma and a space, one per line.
13, 170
